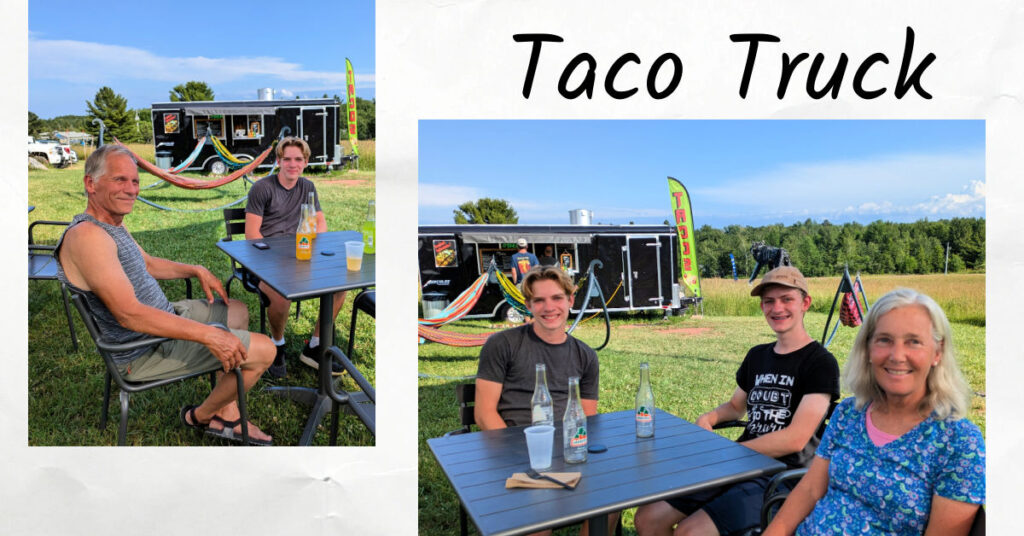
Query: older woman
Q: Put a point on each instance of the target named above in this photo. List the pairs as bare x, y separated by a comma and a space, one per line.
898, 457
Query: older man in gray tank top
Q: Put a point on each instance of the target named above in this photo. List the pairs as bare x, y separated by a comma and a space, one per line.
99, 258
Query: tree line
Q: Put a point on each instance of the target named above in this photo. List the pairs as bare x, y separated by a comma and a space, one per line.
821, 249
136, 125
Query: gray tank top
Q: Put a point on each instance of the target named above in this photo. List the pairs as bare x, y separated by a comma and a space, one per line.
147, 291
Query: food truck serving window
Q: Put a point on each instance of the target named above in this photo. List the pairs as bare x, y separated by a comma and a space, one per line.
247, 126
213, 125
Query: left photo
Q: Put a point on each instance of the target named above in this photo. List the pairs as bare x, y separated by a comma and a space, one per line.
201, 215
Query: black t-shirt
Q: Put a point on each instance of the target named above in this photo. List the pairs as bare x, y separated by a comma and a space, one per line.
776, 383
510, 358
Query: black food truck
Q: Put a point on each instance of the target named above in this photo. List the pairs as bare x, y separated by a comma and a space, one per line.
245, 128
644, 258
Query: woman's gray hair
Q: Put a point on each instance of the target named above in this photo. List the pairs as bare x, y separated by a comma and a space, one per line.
947, 393
96, 164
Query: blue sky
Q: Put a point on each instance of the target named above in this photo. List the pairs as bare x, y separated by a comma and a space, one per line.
737, 172
143, 49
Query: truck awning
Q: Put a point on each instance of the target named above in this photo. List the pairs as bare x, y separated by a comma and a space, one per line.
539, 238
230, 110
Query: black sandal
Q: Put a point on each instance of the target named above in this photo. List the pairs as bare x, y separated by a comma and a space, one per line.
227, 431
190, 412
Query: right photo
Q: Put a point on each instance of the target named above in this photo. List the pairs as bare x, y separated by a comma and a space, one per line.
702, 327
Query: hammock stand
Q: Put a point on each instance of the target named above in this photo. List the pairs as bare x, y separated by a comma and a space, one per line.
850, 312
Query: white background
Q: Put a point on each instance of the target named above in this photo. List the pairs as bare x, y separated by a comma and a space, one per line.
457, 59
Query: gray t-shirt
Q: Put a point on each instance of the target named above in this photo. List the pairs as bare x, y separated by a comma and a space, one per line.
510, 358
279, 207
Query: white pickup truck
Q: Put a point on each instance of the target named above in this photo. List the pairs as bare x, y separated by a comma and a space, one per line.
51, 151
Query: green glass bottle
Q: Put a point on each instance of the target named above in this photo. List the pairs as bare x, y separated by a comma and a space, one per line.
370, 229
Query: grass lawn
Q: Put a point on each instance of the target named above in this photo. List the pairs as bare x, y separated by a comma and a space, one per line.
65, 387
693, 363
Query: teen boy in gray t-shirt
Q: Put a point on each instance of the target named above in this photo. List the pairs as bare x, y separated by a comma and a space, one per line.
507, 370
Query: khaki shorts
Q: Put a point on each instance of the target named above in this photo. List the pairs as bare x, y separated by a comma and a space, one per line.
179, 357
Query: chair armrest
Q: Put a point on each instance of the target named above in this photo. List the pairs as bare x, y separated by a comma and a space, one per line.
773, 498
149, 340
730, 424
342, 397
463, 430
32, 226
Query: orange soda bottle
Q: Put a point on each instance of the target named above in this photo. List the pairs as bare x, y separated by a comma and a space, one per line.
303, 238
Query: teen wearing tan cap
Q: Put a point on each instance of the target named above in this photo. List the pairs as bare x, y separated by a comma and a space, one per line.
784, 389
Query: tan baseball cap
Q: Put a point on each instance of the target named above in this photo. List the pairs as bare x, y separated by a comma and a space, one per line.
786, 276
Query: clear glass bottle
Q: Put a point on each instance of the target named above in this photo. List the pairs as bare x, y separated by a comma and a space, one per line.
370, 229
543, 410
574, 426
645, 404
311, 214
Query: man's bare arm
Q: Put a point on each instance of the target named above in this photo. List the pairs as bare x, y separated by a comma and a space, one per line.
485, 410
161, 268
89, 258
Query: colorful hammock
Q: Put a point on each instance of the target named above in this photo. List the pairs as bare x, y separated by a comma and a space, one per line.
461, 306
453, 338
465, 302
198, 184
513, 295
188, 161
225, 155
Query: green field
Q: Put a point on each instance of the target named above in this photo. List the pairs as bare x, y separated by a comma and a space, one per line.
693, 362
65, 388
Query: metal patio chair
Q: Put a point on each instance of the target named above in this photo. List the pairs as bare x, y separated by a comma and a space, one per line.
234, 225
107, 349
42, 266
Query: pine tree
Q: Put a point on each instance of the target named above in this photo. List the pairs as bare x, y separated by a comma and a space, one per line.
486, 210
192, 90
113, 110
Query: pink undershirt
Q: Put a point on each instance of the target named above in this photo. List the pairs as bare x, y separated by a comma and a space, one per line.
878, 437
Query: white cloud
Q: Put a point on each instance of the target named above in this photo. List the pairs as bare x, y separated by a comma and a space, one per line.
447, 195
910, 186
80, 61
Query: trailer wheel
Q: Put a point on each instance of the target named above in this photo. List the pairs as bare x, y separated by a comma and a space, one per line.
216, 167
510, 314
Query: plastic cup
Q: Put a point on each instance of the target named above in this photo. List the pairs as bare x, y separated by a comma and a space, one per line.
354, 255
540, 440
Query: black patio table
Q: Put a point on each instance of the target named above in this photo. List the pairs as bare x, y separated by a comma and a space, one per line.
321, 276
681, 458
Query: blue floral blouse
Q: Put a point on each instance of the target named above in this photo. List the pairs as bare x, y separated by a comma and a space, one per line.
889, 489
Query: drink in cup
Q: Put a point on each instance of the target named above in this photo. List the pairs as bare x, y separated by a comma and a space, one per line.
540, 440
354, 256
